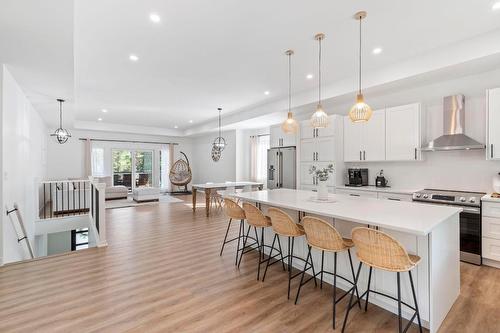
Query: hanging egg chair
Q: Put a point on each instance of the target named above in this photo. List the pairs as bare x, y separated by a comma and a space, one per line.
180, 174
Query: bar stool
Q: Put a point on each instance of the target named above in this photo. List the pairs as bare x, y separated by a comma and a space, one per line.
322, 236
257, 219
378, 250
283, 225
233, 211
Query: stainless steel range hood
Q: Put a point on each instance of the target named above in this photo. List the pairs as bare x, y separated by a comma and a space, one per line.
453, 137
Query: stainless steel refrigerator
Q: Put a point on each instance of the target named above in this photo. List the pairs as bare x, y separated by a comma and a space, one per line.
281, 168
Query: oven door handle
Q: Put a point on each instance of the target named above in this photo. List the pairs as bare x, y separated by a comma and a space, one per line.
471, 210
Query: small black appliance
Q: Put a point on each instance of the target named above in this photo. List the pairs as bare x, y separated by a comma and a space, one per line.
357, 177
380, 181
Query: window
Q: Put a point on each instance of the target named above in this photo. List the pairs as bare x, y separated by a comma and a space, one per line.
132, 168
258, 160
79, 239
143, 168
97, 162
122, 168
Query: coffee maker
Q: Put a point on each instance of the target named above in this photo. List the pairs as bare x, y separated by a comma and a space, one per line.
357, 177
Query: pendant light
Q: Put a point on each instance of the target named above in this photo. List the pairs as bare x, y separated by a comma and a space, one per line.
319, 118
219, 143
62, 135
360, 112
290, 125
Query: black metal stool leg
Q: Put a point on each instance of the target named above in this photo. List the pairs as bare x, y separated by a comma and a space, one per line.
415, 300
244, 245
290, 257
239, 238
225, 237
270, 255
261, 253
281, 253
352, 296
368, 290
334, 287
352, 271
256, 236
303, 274
399, 303
322, 261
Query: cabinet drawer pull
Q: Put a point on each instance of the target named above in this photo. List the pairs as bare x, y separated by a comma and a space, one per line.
394, 199
491, 150
354, 195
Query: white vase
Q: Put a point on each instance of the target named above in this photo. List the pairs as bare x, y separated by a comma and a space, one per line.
322, 190
496, 183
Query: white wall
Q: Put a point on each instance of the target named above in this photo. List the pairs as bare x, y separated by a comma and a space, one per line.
460, 170
204, 168
24, 150
67, 160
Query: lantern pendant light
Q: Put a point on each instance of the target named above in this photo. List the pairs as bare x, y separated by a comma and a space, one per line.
62, 135
219, 143
360, 112
319, 118
290, 125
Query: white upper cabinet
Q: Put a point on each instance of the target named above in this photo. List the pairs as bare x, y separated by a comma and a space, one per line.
278, 138
493, 124
402, 132
374, 137
365, 141
306, 130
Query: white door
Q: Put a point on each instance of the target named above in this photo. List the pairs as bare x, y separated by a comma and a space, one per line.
402, 132
306, 130
325, 149
307, 150
352, 141
493, 124
275, 137
373, 137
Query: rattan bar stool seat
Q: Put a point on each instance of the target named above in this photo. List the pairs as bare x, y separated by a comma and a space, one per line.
322, 236
379, 250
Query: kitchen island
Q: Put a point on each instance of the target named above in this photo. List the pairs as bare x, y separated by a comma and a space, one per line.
431, 232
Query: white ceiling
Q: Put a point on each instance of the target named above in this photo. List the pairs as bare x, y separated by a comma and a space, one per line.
204, 54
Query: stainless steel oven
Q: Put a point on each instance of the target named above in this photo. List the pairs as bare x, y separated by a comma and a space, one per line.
470, 218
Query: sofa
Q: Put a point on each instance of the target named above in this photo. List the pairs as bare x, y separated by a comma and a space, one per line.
111, 191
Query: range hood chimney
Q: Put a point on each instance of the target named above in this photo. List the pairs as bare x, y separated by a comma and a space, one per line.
453, 137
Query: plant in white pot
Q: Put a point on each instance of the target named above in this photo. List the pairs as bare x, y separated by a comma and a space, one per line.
322, 174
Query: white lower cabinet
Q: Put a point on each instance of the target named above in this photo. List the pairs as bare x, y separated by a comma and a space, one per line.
491, 248
491, 231
395, 196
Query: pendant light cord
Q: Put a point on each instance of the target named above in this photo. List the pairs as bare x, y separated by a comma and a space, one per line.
289, 82
219, 126
319, 71
60, 114
359, 89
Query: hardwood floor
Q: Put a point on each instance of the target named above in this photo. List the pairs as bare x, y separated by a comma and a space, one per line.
162, 273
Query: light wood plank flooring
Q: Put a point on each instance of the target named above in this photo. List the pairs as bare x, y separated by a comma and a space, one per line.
162, 273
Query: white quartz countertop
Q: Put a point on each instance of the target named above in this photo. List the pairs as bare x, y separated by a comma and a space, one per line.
225, 185
408, 217
373, 188
489, 198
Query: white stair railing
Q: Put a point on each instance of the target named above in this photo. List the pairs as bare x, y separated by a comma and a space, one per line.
97, 215
60, 198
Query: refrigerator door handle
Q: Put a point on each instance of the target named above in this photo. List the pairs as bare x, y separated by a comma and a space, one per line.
281, 169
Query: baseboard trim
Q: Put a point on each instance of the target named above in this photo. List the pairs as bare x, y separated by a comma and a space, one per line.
491, 263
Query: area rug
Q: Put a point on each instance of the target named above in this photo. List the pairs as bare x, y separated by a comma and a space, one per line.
129, 202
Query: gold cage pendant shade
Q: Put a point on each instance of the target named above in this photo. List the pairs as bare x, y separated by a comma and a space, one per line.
290, 125
361, 111
319, 118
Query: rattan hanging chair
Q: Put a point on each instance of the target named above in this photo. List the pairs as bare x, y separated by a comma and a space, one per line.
180, 174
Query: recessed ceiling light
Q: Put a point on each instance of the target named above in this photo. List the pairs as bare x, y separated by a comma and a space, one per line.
377, 50
496, 6
99, 119
154, 17
176, 126
309, 76
104, 110
190, 121
133, 57
266, 92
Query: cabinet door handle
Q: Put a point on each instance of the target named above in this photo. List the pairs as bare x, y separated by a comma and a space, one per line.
415, 153
317, 156
491, 150
360, 156
364, 155
314, 133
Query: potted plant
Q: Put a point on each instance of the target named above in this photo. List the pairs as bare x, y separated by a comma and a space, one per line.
322, 175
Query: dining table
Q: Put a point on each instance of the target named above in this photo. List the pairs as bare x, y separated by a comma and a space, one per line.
209, 188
